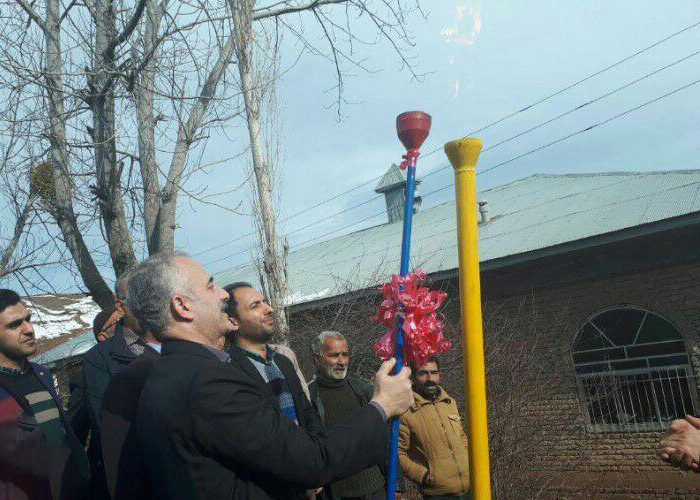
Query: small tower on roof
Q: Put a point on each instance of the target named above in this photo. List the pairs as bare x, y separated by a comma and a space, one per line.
393, 186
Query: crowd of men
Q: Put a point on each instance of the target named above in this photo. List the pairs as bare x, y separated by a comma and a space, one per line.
184, 397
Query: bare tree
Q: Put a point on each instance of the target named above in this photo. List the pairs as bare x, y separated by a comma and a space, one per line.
21, 254
126, 93
257, 83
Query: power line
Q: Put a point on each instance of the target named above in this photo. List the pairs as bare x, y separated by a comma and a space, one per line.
498, 165
491, 236
485, 127
578, 82
546, 122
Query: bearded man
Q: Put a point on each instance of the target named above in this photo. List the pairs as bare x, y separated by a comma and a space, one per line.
335, 395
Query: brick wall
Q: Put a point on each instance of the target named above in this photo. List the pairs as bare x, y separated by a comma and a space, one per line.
540, 445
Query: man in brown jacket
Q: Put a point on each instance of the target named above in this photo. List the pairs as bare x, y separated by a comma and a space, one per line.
432, 442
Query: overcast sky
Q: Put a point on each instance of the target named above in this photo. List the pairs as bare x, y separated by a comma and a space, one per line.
481, 60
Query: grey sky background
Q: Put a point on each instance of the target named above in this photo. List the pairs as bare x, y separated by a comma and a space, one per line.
481, 60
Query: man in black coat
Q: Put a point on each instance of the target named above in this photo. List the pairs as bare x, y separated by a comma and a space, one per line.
253, 326
103, 327
206, 428
100, 364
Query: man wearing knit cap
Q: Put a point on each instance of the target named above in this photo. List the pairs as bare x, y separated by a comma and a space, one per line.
335, 395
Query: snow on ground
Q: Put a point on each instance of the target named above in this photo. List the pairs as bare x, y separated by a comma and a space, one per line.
53, 316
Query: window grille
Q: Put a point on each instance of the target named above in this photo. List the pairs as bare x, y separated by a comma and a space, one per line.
633, 372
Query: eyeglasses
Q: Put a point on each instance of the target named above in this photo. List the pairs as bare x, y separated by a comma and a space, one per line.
104, 329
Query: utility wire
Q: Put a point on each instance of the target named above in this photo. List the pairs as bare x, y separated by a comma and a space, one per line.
491, 236
591, 101
577, 83
492, 124
498, 165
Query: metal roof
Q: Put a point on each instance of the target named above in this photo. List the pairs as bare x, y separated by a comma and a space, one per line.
70, 348
392, 177
527, 215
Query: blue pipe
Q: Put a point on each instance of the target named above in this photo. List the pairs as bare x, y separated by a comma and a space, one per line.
398, 346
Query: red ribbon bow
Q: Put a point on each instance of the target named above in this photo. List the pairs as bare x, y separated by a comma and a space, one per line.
422, 329
409, 159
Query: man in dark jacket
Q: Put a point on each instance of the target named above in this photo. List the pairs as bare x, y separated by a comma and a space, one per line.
103, 327
206, 426
40, 456
100, 364
335, 395
253, 326
121, 454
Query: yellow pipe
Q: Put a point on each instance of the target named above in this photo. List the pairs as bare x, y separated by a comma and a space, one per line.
463, 155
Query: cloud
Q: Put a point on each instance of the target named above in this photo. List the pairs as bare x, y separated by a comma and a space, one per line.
466, 27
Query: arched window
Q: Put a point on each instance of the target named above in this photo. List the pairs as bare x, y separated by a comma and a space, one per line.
633, 371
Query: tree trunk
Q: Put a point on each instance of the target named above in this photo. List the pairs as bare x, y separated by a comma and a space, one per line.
108, 190
185, 138
145, 121
62, 205
242, 13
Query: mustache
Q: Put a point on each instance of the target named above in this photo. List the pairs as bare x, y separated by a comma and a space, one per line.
430, 384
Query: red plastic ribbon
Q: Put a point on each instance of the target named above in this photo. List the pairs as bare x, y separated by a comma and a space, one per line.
422, 329
409, 159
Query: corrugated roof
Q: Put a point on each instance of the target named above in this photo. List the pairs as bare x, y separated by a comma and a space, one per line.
72, 347
527, 215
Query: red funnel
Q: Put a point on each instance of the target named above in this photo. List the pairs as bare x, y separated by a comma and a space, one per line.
412, 128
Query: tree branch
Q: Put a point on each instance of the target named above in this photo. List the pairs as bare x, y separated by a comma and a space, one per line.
65, 12
128, 29
19, 229
33, 15
267, 12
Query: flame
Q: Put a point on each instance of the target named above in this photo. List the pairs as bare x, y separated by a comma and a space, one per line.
460, 34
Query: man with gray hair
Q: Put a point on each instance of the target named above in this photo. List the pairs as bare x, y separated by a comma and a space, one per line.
207, 429
335, 395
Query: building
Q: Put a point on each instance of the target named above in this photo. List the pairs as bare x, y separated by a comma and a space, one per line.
63, 326
591, 291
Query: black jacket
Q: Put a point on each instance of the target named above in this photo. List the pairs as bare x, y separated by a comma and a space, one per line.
77, 411
207, 430
306, 415
100, 364
30, 467
121, 455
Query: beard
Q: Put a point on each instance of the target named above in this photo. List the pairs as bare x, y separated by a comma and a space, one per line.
335, 372
428, 390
